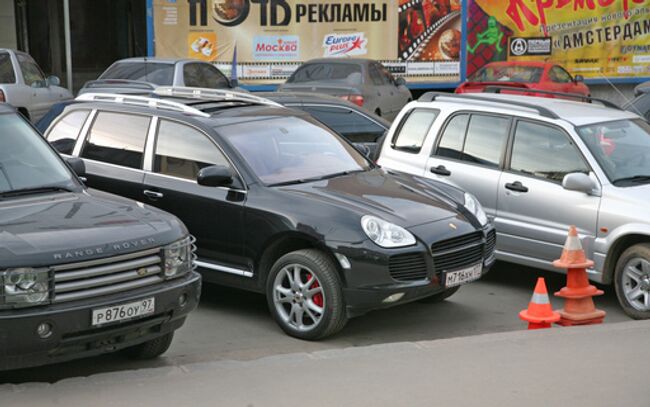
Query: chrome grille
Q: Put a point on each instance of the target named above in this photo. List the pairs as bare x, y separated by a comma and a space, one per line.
490, 243
106, 276
407, 267
458, 252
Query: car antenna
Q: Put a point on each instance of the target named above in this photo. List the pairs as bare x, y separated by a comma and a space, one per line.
628, 102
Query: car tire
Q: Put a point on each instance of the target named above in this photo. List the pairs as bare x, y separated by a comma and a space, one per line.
295, 306
439, 297
150, 349
632, 281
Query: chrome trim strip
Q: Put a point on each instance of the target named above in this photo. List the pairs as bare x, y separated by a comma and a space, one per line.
108, 280
191, 181
111, 289
104, 260
61, 277
225, 269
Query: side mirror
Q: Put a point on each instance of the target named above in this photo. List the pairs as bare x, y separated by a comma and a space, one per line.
363, 149
234, 83
53, 80
578, 78
400, 81
77, 165
577, 181
214, 176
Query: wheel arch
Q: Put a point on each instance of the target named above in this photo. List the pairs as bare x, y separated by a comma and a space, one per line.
621, 244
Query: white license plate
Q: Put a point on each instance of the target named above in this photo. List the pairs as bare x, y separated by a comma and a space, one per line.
123, 312
458, 277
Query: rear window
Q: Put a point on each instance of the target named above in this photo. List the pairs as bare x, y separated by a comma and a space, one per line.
6, 69
350, 73
507, 73
160, 74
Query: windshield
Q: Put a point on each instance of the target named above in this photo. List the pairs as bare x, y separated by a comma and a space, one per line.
290, 149
160, 74
350, 73
622, 148
26, 161
507, 73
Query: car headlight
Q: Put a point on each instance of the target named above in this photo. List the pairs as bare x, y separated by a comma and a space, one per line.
386, 234
179, 257
473, 205
24, 287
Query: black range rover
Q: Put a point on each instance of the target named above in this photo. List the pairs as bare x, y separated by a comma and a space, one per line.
280, 204
82, 272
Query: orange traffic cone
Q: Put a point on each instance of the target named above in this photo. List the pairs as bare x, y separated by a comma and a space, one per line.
539, 314
579, 306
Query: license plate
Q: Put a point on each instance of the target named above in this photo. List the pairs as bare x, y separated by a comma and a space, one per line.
458, 277
122, 312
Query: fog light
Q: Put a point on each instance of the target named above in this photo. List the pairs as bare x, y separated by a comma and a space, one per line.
182, 300
393, 298
44, 330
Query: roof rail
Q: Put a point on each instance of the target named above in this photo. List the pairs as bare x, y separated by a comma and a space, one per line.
212, 95
141, 101
582, 98
123, 83
431, 96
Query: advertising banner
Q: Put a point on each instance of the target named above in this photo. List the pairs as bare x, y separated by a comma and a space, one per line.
418, 39
593, 38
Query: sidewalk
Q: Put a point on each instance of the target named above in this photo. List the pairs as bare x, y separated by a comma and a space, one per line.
592, 366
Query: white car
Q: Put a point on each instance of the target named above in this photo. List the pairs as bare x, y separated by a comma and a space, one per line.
23, 85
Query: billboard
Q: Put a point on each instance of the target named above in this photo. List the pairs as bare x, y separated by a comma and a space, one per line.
419, 39
593, 38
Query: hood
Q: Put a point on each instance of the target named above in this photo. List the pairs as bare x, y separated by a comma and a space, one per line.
402, 199
71, 227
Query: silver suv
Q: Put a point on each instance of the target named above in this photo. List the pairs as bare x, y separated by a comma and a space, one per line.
539, 165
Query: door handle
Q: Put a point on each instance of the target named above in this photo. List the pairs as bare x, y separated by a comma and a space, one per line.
440, 170
516, 186
153, 194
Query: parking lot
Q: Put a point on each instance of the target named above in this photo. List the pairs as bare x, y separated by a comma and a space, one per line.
235, 325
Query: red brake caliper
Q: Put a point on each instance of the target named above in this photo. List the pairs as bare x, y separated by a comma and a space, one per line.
318, 298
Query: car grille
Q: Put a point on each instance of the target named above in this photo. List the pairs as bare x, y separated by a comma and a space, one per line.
106, 276
407, 267
490, 243
459, 252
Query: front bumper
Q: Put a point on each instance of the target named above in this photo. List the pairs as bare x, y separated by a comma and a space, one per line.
74, 337
368, 281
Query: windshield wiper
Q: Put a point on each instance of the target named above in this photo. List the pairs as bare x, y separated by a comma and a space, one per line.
33, 191
306, 180
634, 179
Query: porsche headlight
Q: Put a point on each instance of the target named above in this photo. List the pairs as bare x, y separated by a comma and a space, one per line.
179, 257
24, 287
473, 205
386, 234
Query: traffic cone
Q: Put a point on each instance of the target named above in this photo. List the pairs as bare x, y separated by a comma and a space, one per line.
579, 308
539, 314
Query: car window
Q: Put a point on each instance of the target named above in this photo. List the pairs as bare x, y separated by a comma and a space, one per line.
7, 74
348, 123
203, 76
507, 73
65, 132
413, 130
31, 72
350, 73
544, 152
386, 75
117, 138
375, 75
453, 136
158, 73
485, 140
559, 75
181, 151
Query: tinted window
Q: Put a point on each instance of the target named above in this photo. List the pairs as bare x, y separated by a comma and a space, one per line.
31, 72
413, 130
544, 152
350, 124
507, 73
160, 74
117, 138
203, 76
559, 75
386, 75
65, 132
182, 151
451, 141
6, 69
350, 73
485, 140
375, 75
25, 159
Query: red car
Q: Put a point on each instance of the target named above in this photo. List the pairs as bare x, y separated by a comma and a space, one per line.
534, 75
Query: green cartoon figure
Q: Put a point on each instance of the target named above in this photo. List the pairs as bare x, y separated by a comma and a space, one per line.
491, 36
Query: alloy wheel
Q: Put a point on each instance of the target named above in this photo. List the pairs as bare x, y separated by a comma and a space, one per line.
636, 283
298, 297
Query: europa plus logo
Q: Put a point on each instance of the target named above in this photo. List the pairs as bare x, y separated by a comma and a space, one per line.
234, 12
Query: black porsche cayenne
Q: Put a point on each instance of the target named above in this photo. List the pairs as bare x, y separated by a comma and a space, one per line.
280, 204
